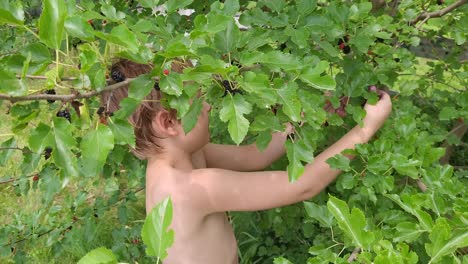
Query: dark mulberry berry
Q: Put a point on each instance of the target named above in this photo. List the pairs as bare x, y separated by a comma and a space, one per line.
51, 91
64, 113
117, 76
47, 153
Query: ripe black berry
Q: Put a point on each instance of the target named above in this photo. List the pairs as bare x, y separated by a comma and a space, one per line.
47, 153
117, 76
52, 91
397, 59
64, 113
228, 88
440, 2
100, 110
346, 50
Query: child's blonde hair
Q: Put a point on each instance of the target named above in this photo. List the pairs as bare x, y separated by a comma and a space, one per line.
146, 138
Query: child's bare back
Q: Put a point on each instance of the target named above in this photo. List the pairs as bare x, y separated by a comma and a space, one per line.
199, 238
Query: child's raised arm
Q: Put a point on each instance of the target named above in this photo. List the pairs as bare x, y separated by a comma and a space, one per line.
226, 190
247, 157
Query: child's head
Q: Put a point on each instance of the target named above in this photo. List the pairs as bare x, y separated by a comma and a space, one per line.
152, 123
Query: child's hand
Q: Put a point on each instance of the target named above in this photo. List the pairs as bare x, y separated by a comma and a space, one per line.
378, 113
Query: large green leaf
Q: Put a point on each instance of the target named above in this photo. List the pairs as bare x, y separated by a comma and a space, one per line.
226, 40
172, 84
140, 87
99, 256
64, 141
173, 5
291, 103
11, 13
155, 232
233, 110
78, 27
424, 218
319, 213
353, 224
278, 60
51, 22
297, 152
442, 241
122, 36
95, 147
191, 118
123, 132
39, 138
6, 153
10, 84
339, 162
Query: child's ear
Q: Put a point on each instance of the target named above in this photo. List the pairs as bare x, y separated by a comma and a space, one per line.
166, 123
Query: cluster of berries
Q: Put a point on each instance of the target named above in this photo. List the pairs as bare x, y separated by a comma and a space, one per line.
64, 113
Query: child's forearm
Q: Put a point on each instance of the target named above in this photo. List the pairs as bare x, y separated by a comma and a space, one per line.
274, 150
319, 174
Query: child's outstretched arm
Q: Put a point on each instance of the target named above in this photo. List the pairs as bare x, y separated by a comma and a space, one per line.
225, 190
247, 157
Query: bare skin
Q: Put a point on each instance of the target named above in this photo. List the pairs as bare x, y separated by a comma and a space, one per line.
205, 180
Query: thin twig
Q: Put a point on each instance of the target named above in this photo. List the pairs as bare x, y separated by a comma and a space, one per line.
354, 255
39, 77
425, 16
66, 97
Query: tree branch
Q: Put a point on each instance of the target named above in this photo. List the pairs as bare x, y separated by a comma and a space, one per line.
425, 16
66, 97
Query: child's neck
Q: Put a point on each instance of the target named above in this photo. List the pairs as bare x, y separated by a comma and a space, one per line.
176, 158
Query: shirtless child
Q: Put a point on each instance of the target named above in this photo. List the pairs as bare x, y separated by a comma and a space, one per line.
205, 180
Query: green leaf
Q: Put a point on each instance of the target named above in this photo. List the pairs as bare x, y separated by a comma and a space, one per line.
322, 82
111, 13
123, 132
226, 40
173, 5
448, 113
231, 7
405, 166
442, 242
155, 232
233, 109
51, 22
191, 118
407, 232
95, 147
172, 84
339, 162
148, 3
319, 213
353, 224
296, 153
64, 141
424, 218
11, 13
290, 101
263, 140
328, 48
5, 154
78, 27
281, 260
39, 138
99, 256
122, 36
276, 5
10, 84
216, 22
278, 60
140, 87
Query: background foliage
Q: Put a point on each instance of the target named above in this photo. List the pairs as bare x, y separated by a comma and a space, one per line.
69, 184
